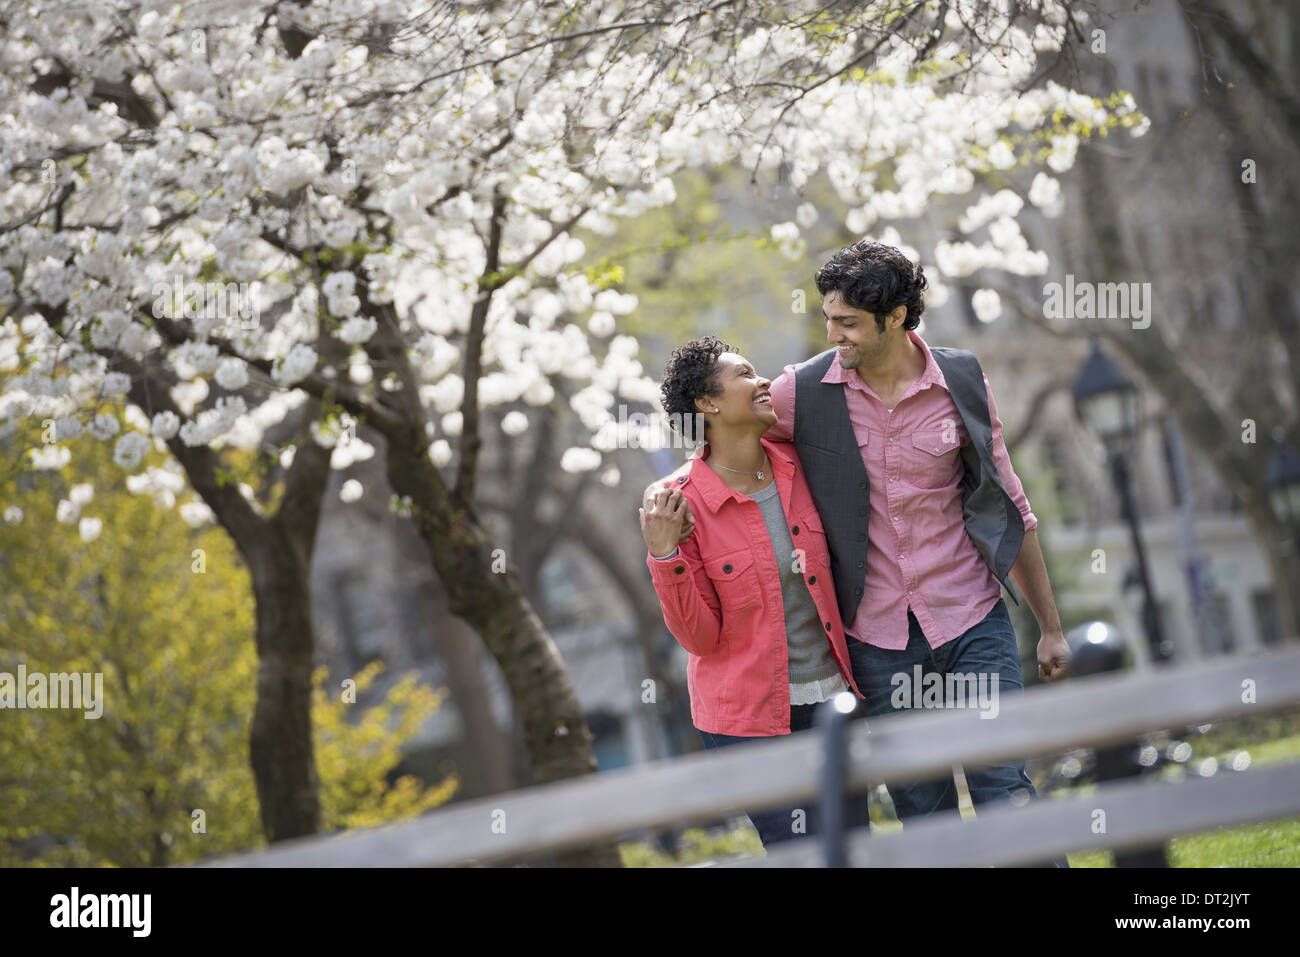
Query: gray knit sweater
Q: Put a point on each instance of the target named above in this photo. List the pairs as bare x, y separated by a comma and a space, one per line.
814, 675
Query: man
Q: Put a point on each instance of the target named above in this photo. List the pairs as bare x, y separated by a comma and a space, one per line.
925, 517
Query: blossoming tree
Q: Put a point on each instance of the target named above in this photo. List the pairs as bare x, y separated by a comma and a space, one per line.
250, 226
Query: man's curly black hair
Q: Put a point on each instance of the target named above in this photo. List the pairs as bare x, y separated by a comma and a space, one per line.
877, 279
691, 372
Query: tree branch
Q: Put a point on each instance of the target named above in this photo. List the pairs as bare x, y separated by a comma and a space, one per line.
201, 463
317, 385
471, 441
1034, 417
1248, 57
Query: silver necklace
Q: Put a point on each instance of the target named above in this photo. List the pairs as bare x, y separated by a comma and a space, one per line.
757, 475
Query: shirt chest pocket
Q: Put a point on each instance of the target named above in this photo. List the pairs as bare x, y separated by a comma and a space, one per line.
934, 459
735, 579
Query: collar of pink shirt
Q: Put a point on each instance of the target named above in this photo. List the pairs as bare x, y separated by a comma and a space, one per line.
932, 375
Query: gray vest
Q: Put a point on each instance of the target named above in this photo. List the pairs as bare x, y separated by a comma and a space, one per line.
837, 477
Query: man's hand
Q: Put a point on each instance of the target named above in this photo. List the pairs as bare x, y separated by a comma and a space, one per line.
651, 493
1053, 656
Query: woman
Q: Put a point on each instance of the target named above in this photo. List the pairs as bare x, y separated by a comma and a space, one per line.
748, 594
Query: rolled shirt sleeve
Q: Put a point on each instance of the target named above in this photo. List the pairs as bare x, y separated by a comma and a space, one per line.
1002, 460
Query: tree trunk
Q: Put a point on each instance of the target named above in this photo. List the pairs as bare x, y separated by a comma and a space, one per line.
281, 744
280, 739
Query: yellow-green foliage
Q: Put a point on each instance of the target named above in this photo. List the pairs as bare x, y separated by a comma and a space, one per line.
353, 760
694, 272
696, 845
175, 647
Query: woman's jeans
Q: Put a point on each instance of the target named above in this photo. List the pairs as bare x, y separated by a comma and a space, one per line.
785, 824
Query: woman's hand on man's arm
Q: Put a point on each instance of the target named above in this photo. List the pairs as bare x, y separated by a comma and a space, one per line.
648, 500
661, 521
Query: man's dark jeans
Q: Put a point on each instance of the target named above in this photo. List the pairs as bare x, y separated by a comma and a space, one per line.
987, 648
786, 824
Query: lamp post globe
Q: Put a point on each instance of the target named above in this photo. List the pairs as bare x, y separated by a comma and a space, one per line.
1106, 401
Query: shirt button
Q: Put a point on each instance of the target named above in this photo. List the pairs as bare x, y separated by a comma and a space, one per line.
891, 438
795, 529
828, 626
726, 569
812, 579
678, 570
909, 591
895, 518
864, 484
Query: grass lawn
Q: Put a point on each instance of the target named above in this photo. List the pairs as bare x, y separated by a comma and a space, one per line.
1271, 844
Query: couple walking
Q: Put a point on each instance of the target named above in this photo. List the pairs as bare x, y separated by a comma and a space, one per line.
846, 527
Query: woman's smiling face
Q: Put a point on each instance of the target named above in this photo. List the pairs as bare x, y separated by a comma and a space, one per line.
743, 398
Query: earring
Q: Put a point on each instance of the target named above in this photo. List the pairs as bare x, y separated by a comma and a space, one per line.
715, 410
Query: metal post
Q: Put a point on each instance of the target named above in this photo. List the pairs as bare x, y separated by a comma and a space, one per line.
1098, 648
1151, 613
834, 725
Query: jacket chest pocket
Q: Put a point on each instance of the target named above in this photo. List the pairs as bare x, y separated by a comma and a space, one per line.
812, 550
815, 548
735, 579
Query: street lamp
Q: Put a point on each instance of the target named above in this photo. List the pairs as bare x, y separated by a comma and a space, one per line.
1106, 402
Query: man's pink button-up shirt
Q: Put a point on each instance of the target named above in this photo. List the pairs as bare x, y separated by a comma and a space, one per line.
919, 554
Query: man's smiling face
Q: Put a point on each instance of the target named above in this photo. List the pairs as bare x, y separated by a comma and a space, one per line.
854, 332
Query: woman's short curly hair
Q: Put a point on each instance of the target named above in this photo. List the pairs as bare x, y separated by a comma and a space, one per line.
691, 372
877, 279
